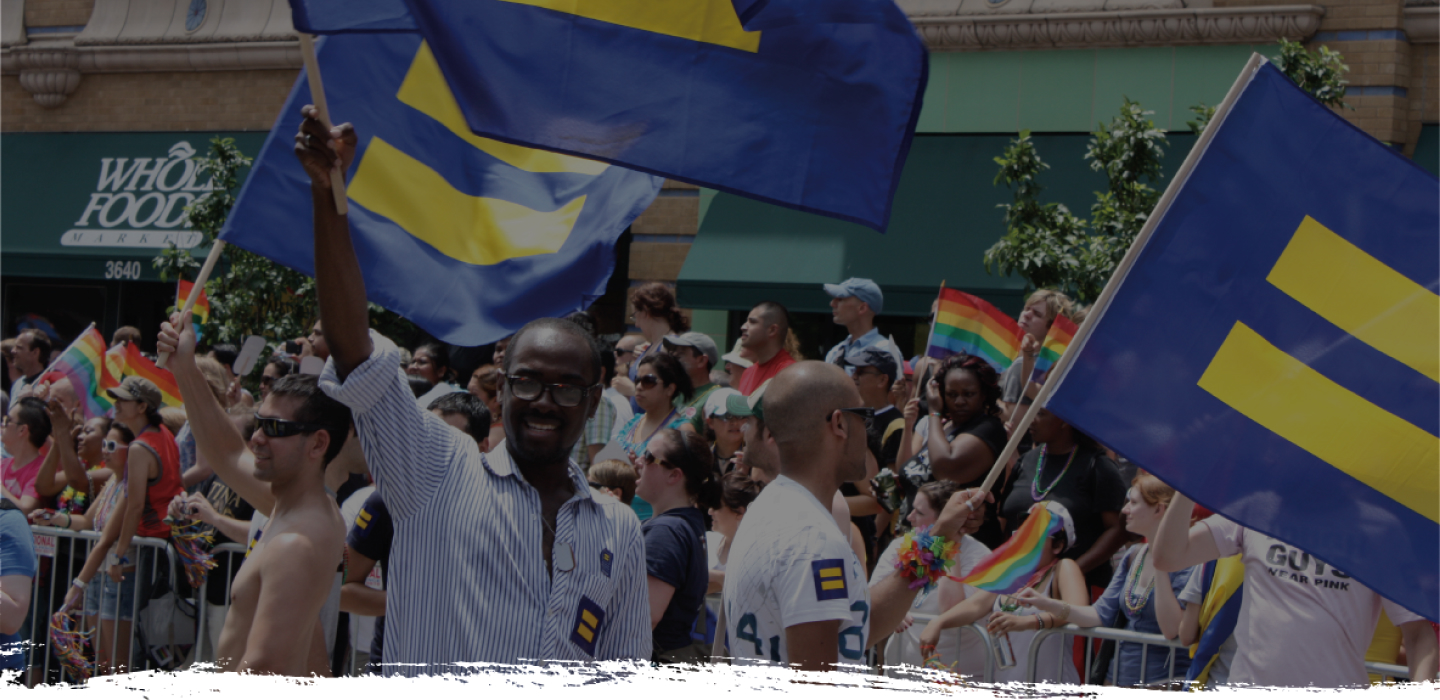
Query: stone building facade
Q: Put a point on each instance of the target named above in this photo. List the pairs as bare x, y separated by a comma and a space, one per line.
77, 66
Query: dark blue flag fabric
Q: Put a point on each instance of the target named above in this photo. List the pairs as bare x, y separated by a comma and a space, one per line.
350, 16
468, 237
809, 104
1275, 351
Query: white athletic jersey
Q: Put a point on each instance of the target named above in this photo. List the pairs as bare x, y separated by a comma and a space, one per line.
790, 565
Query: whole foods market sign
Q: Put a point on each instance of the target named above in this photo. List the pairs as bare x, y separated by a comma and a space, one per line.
140, 202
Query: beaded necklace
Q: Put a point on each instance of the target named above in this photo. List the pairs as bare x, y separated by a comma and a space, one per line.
1134, 600
1035, 491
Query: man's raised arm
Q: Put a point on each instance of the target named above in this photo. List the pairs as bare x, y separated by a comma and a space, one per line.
338, 282
216, 438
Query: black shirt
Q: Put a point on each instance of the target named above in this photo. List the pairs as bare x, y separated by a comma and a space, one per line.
1090, 487
229, 504
371, 536
675, 554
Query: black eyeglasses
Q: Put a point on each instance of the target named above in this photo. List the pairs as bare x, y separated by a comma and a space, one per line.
279, 428
530, 389
865, 412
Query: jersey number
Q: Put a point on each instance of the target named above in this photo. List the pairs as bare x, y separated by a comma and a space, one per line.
855, 650
745, 631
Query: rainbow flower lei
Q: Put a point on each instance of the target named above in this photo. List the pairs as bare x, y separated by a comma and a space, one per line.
924, 558
68, 640
190, 542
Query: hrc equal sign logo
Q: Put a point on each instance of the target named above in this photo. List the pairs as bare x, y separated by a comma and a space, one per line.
362, 520
1374, 304
829, 577
587, 625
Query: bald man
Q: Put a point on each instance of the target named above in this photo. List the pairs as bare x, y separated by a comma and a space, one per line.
795, 593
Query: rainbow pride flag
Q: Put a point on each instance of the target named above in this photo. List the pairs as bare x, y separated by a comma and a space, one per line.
1006, 570
137, 365
966, 323
1062, 333
84, 364
200, 313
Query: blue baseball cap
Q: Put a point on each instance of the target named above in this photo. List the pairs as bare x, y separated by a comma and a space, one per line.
861, 288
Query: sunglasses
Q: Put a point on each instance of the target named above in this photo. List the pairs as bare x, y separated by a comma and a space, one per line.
530, 389
865, 412
279, 428
110, 445
649, 457
647, 381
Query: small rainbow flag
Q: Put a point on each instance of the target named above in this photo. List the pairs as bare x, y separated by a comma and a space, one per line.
83, 363
200, 313
1008, 569
1062, 333
966, 323
137, 365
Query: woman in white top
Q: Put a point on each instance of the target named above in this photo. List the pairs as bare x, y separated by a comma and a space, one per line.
965, 649
1018, 623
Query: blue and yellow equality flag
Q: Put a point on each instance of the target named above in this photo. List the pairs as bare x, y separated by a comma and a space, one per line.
468, 237
1275, 351
1223, 583
809, 104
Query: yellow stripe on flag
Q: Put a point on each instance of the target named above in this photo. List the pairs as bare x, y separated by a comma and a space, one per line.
475, 230
1301, 405
708, 21
425, 89
832, 585
1361, 295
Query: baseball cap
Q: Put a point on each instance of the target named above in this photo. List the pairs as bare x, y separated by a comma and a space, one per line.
744, 407
699, 341
137, 389
866, 290
717, 403
1062, 513
734, 356
875, 357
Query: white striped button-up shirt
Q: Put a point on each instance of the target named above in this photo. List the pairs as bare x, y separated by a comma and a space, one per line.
467, 574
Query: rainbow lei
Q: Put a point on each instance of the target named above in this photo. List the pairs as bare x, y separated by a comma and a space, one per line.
924, 558
68, 642
191, 542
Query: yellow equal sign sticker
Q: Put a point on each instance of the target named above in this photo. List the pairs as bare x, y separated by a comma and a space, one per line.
1361, 295
1297, 403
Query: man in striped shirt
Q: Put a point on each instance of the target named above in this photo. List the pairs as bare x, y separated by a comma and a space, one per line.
506, 557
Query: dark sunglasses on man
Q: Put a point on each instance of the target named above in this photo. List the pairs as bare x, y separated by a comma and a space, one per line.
530, 389
280, 428
865, 412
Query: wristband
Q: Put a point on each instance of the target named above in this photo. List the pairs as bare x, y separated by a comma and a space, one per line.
77, 583
68, 519
924, 558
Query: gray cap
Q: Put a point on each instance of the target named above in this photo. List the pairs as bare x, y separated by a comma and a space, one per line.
138, 389
877, 357
861, 288
699, 341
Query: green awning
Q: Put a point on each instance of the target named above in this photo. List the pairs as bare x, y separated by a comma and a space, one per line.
944, 219
100, 205
1427, 148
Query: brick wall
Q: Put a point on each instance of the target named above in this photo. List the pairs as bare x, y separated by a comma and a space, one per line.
1349, 15
57, 13
217, 100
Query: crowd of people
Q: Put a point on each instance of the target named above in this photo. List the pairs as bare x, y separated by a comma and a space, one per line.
651, 499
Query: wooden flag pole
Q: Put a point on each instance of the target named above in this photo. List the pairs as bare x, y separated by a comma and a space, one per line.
195, 293
317, 96
1052, 381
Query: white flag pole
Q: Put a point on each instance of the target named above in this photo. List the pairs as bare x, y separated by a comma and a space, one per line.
317, 96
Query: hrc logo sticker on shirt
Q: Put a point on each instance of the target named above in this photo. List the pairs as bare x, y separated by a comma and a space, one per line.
606, 559
829, 577
588, 619
362, 520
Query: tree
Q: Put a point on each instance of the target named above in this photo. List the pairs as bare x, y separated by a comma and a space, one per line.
1051, 248
249, 294
1054, 249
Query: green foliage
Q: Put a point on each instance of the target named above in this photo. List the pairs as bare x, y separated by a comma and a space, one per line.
1052, 248
249, 294
1320, 73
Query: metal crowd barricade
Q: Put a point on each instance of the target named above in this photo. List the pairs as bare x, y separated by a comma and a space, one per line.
1117, 635
922, 618
1388, 672
43, 603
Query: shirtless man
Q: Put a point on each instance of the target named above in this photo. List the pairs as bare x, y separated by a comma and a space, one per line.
283, 584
